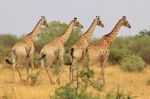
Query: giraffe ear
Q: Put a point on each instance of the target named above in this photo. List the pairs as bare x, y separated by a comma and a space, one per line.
124, 17
43, 17
75, 18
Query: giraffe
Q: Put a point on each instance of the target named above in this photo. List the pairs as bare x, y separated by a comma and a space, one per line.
100, 50
23, 50
80, 46
55, 50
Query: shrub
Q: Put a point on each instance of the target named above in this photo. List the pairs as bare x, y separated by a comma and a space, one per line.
86, 76
116, 55
67, 60
9, 94
6, 42
141, 46
132, 63
68, 92
118, 94
98, 86
33, 78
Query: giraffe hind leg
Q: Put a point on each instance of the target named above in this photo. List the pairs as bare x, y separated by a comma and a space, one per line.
61, 60
19, 73
47, 71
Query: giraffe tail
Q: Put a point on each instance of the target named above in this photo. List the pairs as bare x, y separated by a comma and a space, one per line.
71, 54
42, 56
8, 61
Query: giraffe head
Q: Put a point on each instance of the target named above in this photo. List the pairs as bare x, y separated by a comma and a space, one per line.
98, 21
44, 22
125, 22
77, 23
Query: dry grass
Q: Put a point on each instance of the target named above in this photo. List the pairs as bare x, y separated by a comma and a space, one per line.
132, 83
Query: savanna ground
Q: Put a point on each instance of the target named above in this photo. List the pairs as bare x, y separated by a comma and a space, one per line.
133, 83
135, 48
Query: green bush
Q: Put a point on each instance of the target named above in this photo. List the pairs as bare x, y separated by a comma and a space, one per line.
132, 63
67, 60
116, 55
33, 78
141, 45
133, 44
98, 86
6, 42
68, 92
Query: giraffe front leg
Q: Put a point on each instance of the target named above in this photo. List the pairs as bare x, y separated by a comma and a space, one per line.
74, 67
102, 73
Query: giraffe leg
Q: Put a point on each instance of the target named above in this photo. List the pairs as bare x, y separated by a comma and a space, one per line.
47, 71
14, 68
71, 71
61, 59
58, 80
78, 55
46, 62
30, 64
74, 67
72, 74
102, 73
28, 73
70, 68
27, 68
19, 73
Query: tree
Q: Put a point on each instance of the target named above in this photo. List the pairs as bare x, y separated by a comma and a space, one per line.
144, 32
55, 29
6, 42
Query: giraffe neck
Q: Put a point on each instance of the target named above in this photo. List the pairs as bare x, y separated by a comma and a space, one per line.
33, 34
64, 37
89, 32
108, 38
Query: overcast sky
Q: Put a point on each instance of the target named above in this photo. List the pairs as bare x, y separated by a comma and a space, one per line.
19, 17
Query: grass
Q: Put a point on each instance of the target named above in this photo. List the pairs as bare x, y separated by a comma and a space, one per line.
131, 83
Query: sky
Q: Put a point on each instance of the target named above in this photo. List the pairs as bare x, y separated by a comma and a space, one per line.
19, 17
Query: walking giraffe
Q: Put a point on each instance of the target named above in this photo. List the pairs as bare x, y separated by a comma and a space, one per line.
55, 50
80, 46
100, 50
23, 50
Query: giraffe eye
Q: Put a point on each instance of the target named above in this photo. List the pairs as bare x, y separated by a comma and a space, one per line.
126, 23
